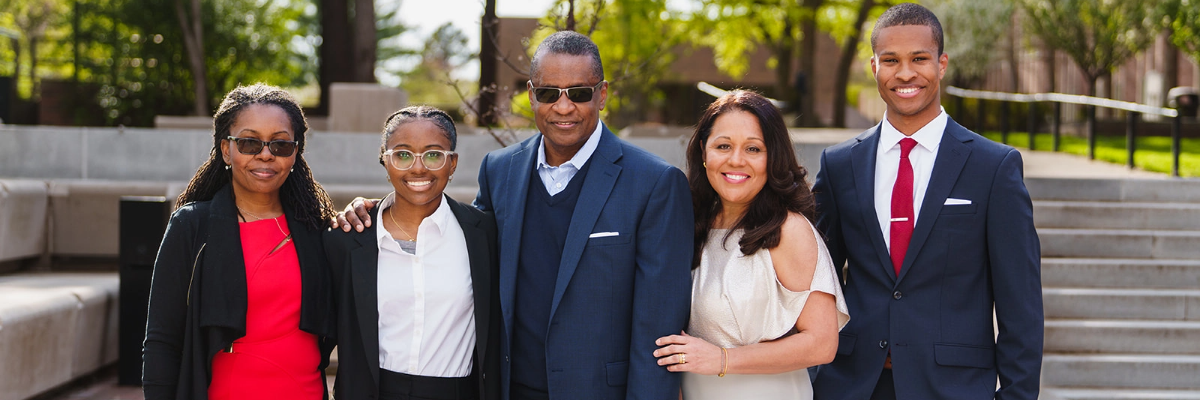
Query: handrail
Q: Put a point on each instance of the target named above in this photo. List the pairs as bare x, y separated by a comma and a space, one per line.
1063, 98
718, 92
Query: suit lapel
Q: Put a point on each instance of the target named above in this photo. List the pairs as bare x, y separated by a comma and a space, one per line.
516, 190
597, 185
863, 157
364, 264
477, 252
222, 277
952, 156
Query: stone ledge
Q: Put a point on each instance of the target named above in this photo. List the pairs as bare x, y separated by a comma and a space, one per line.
23, 211
55, 327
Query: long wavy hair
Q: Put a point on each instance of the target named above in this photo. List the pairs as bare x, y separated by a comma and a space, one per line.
786, 189
303, 198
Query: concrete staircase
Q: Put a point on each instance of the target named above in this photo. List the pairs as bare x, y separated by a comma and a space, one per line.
1121, 286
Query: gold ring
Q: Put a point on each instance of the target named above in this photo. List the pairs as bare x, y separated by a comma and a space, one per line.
682, 358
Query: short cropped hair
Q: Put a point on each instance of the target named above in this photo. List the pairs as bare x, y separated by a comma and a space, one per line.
569, 43
909, 14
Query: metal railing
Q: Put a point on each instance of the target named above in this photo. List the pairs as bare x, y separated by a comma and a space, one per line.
1134, 110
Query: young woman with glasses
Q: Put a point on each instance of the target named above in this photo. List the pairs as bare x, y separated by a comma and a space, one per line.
417, 295
240, 302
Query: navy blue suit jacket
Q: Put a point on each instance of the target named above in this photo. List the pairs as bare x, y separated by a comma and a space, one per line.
616, 294
963, 260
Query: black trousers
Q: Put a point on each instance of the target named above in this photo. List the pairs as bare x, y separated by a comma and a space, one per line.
885, 389
399, 386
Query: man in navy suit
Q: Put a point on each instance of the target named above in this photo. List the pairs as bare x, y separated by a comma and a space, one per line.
595, 243
935, 228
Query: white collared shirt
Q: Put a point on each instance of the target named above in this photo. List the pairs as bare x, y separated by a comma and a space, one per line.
887, 166
557, 178
426, 301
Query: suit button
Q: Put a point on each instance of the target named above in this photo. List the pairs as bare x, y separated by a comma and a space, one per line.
505, 358
897, 295
883, 344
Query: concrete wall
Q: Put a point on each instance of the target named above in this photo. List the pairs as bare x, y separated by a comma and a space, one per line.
60, 187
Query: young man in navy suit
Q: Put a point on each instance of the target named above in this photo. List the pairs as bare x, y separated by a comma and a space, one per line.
595, 243
935, 228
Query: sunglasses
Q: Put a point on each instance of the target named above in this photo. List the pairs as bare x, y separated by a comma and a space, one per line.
252, 146
582, 94
403, 160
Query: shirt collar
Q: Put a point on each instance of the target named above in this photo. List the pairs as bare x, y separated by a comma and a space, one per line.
440, 217
928, 137
580, 157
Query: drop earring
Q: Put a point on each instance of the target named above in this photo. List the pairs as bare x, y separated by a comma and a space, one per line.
227, 167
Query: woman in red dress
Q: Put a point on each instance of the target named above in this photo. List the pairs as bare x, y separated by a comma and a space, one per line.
240, 300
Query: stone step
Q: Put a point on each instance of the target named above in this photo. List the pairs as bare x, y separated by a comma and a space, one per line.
1135, 190
1120, 243
1122, 336
1116, 215
1121, 273
1056, 393
1109, 303
1125, 371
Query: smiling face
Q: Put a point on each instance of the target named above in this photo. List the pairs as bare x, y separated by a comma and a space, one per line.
566, 125
418, 186
262, 173
908, 72
735, 156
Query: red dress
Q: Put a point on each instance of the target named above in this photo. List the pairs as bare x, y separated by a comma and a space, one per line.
275, 360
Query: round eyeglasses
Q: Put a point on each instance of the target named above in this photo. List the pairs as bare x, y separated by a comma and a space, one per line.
403, 160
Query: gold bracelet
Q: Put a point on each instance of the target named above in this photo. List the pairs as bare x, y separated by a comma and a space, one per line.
724, 362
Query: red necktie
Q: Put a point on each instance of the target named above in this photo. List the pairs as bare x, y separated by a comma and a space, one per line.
902, 206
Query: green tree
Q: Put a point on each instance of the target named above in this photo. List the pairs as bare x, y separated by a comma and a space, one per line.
430, 81
1098, 35
972, 27
734, 29
1185, 26
636, 39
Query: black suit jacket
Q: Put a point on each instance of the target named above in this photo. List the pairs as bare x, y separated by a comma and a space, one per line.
354, 258
198, 296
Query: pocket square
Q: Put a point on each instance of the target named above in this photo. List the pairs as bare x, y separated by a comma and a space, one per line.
957, 202
602, 234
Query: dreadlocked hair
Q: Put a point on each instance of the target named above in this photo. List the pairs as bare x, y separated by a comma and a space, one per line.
302, 197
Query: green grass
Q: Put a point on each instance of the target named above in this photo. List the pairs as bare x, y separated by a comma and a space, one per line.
1153, 153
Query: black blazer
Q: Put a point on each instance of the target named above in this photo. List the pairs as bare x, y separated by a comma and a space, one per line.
354, 258
198, 296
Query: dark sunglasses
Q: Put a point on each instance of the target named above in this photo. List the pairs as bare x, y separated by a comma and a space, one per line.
582, 94
251, 146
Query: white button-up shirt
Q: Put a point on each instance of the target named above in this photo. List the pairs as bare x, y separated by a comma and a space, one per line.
887, 166
426, 303
557, 178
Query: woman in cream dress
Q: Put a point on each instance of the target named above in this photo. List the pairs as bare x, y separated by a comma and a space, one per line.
766, 304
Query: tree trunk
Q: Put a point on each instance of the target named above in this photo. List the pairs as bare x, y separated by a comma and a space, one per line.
1050, 65
193, 43
1014, 74
488, 38
1170, 67
16, 47
849, 50
337, 64
36, 91
570, 15
364, 41
783, 68
808, 55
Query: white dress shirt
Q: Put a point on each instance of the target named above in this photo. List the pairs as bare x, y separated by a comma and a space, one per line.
887, 166
557, 178
426, 303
